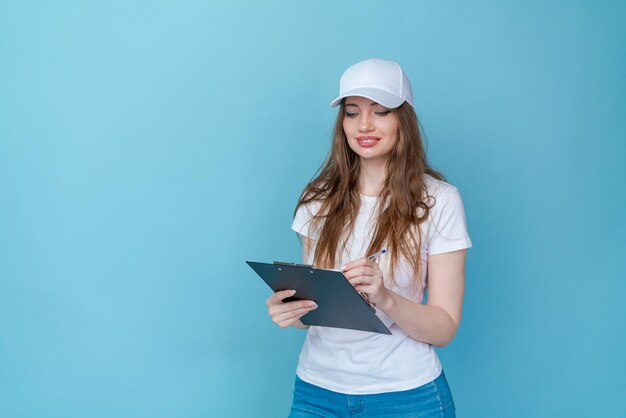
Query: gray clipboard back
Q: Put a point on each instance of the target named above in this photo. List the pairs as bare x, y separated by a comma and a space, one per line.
339, 304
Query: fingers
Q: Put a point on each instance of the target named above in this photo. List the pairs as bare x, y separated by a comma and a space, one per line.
286, 319
356, 263
366, 289
366, 278
291, 306
285, 314
359, 271
278, 297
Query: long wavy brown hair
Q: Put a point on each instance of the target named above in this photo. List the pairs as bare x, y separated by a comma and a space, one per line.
404, 202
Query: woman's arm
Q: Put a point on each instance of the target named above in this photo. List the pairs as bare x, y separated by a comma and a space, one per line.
434, 323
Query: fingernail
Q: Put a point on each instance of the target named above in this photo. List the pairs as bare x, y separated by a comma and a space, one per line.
292, 292
342, 268
312, 304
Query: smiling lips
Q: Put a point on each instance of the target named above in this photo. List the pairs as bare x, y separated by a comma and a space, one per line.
367, 141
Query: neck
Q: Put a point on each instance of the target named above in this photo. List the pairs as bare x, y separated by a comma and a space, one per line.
372, 174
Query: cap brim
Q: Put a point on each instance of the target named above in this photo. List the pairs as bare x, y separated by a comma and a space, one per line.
382, 97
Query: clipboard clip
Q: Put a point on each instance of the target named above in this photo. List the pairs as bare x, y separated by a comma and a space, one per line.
282, 263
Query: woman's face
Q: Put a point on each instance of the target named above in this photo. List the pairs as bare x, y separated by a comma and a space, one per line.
371, 128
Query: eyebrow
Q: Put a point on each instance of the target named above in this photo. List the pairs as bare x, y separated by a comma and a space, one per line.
372, 104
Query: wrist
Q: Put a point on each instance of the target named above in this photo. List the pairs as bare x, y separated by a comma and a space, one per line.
387, 302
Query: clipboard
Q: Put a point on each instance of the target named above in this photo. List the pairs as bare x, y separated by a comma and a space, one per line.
339, 305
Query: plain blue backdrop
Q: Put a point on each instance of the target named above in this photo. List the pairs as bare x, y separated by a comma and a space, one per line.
149, 148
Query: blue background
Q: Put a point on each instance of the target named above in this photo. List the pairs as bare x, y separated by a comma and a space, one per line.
148, 148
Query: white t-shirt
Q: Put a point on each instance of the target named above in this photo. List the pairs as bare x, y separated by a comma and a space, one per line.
359, 362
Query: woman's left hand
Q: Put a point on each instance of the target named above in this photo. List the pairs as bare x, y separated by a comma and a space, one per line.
367, 278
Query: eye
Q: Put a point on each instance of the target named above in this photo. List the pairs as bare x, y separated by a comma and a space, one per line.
350, 115
385, 113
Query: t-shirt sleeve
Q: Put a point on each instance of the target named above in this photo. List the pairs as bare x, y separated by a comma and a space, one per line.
447, 227
302, 220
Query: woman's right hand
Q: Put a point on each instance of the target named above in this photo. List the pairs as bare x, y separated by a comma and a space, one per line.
285, 314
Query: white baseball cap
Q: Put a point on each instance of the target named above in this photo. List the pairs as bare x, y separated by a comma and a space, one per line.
379, 80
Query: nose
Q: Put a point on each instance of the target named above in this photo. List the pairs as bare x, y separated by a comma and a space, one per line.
365, 124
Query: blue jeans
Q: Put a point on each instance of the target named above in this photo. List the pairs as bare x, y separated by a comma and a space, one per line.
433, 399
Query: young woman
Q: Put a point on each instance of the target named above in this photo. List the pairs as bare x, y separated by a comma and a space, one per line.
376, 191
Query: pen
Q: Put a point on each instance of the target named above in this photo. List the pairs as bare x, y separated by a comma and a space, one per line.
372, 257
378, 254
